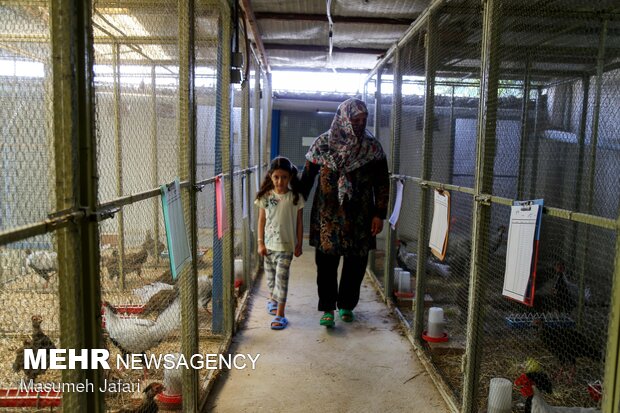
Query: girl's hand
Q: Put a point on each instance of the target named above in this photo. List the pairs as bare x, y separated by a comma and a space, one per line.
298, 250
262, 250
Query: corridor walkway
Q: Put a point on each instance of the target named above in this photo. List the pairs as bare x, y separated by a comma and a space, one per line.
364, 366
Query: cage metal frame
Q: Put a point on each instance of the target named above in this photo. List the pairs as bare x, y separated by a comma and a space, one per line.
78, 212
492, 12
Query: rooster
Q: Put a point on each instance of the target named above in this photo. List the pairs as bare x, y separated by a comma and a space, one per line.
44, 263
564, 294
134, 261
567, 345
137, 335
533, 383
148, 405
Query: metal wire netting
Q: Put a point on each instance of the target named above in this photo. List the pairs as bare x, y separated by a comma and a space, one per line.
28, 157
543, 127
143, 140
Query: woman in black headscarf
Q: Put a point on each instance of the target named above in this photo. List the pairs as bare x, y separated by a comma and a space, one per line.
349, 206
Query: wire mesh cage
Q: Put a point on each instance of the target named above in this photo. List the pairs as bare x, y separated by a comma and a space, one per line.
144, 135
496, 106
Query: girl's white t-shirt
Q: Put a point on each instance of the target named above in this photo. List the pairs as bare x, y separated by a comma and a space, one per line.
281, 220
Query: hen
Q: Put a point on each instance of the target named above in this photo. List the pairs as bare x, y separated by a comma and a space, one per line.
149, 245
133, 263
38, 341
159, 301
159, 295
137, 335
149, 290
205, 261
44, 263
18, 364
148, 405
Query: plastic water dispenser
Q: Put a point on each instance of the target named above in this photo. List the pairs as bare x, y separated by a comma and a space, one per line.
435, 322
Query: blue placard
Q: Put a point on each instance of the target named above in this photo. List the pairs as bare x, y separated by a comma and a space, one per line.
176, 232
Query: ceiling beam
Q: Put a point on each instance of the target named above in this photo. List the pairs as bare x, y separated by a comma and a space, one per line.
335, 19
250, 18
324, 49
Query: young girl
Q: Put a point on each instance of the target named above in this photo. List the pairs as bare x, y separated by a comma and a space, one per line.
280, 232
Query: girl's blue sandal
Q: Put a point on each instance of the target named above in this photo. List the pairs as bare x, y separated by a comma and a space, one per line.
272, 307
327, 320
346, 315
279, 323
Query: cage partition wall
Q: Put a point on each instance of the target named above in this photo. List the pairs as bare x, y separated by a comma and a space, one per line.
499, 101
104, 103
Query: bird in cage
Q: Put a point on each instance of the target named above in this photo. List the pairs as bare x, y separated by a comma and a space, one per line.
556, 293
44, 263
38, 341
133, 263
158, 295
408, 261
160, 301
135, 260
148, 405
205, 260
149, 245
147, 291
567, 345
18, 363
533, 384
137, 335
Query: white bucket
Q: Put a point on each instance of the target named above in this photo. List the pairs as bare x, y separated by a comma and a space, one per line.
404, 282
435, 322
500, 396
238, 268
397, 271
173, 378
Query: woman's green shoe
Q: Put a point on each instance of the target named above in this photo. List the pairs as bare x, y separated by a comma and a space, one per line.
327, 320
346, 315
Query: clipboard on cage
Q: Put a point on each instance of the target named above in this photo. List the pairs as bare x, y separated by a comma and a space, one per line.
176, 232
438, 241
522, 251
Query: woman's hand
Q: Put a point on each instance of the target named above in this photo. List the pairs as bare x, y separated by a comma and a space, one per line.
262, 250
376, 226
298, 250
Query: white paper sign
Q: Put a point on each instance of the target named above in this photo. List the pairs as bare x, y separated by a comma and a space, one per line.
256, 180
244, 195
397, 204
439, 227
520, 251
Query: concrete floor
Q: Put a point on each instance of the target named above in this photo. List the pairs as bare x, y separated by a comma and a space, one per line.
364, 366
